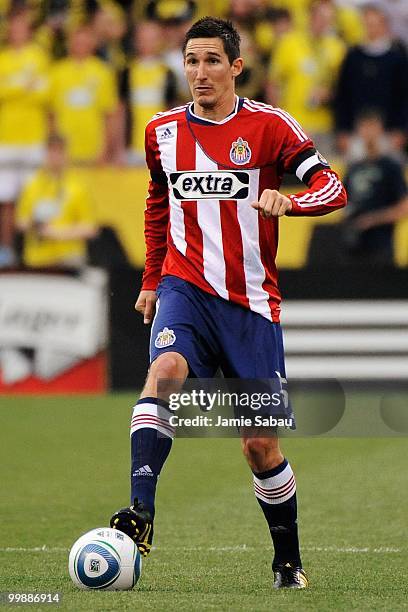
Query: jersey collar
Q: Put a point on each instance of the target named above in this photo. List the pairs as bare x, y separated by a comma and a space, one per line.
196, 119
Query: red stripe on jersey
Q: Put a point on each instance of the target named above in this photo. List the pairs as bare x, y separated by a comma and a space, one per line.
268, 241
233, 252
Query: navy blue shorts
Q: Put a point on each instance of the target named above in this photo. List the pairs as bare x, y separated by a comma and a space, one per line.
211, 332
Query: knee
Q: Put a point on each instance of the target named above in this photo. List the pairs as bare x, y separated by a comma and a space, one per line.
169, 367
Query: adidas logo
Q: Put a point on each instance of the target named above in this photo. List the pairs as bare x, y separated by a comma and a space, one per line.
166, 134
143, 471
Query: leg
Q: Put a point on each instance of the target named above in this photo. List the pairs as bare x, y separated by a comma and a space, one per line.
151, 440
10, 165
174, 349
7, 256
253, 349
262, 453
275, 490
151, 431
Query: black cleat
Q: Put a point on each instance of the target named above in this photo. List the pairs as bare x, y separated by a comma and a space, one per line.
137, 523
286, 576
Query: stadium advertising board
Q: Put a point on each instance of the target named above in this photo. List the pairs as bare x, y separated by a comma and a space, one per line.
53, 332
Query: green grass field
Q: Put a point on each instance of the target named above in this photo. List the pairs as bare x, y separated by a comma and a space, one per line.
64, 470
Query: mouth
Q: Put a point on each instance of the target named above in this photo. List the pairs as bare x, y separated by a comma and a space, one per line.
203, 89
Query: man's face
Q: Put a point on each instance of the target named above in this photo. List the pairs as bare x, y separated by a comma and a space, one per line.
370, 130
19, 29
82, 42
375, 23
209, 74
148, 38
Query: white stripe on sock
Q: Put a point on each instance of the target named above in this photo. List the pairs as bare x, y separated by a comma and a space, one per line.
151, 416
276, 489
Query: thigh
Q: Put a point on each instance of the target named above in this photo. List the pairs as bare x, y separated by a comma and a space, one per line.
182, 325
253, 355
252, 346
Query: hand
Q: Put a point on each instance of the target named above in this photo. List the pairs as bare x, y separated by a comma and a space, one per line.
146, 305
365, 222
272, 204
46, 230
320, 95
31, 84
397, 140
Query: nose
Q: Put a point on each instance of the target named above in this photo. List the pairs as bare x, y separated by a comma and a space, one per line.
201, 71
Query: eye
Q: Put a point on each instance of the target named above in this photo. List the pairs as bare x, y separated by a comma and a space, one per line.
191, 60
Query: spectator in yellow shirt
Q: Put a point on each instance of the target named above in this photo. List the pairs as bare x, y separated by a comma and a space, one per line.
24, 94
84, 99
303, 72
152, 86
55, 214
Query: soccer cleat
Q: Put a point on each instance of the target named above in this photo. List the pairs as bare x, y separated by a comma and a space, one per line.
286, 576
137, 523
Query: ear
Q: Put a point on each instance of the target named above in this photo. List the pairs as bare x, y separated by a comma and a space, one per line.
237, 66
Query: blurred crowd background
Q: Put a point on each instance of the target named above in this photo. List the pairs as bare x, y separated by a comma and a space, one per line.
80, 79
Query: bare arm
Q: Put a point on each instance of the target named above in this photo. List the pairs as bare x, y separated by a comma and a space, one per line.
383, 216
80, 231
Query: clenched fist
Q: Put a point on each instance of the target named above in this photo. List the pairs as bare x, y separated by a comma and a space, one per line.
272, 203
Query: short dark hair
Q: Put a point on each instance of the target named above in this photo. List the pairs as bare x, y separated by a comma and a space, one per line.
212, 27
369, 113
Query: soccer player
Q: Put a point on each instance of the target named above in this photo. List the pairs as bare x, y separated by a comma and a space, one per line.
211, 227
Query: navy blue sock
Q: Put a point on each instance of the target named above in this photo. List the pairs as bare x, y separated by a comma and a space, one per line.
151, 440
275, 491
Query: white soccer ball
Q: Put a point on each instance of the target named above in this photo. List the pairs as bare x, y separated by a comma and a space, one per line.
106, 559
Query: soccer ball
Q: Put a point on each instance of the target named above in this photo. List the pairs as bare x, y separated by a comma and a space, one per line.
106, 559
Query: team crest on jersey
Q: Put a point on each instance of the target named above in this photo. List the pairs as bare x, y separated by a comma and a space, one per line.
164, 338
240, 152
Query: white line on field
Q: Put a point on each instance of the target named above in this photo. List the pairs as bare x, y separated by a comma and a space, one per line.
240, 548
43, 548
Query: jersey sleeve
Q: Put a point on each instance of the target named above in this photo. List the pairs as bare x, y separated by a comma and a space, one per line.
298, 156
156, 214
326, 193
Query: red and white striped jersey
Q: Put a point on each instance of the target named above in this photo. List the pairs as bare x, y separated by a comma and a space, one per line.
199, 223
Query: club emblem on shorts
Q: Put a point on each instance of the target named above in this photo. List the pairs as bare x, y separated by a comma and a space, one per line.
167, 337
240, 152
